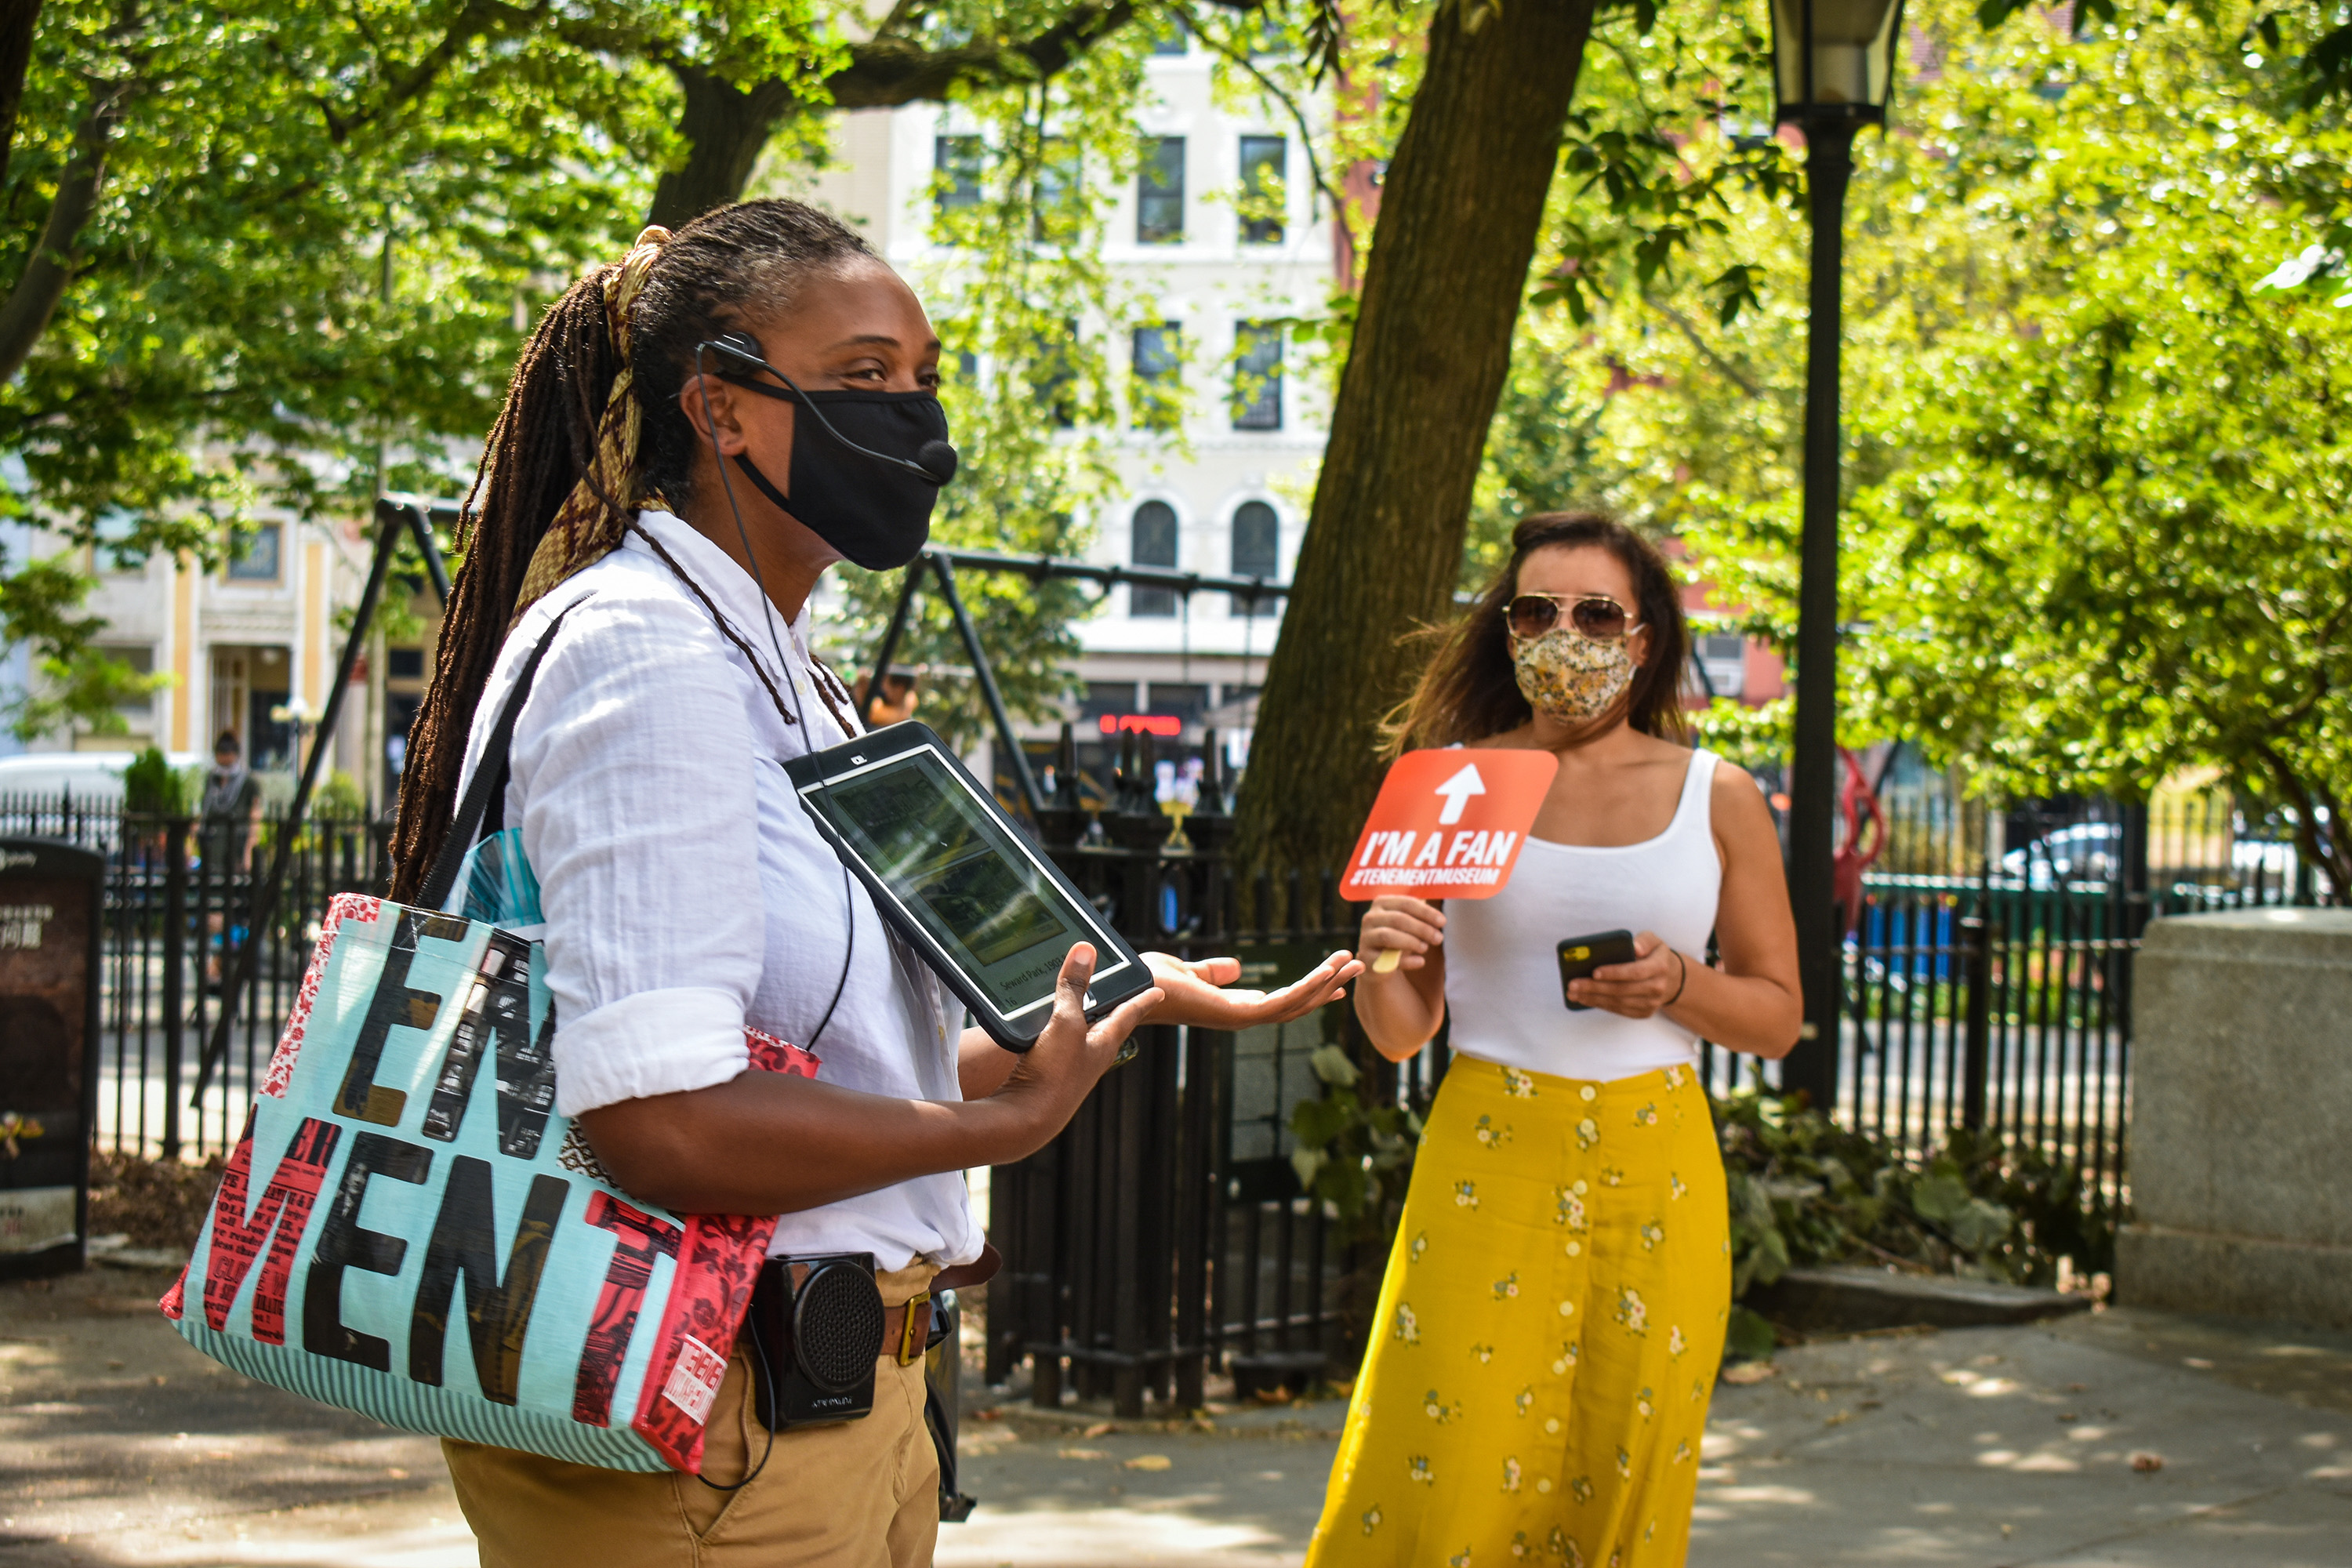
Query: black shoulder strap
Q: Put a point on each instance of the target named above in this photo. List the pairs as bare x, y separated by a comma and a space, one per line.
488, 791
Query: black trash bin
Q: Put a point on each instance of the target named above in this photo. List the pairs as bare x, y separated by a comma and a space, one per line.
51, 904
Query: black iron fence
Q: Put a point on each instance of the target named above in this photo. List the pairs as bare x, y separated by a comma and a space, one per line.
179, 895
1989, 964
1165, 1235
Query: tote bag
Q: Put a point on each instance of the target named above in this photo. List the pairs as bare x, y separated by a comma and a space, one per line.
409, 1230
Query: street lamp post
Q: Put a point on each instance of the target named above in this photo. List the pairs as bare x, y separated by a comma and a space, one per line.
1833, 67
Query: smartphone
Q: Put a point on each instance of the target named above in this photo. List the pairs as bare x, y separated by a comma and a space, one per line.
1581, 955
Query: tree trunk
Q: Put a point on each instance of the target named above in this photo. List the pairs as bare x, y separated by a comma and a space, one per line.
16, 21
725, 127
25, 316
1458, 219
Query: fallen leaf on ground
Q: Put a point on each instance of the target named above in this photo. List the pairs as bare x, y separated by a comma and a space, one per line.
1748, 1371
1082, 1454
1149, 1462
2146, 1462
1097, 1430
1840, 1419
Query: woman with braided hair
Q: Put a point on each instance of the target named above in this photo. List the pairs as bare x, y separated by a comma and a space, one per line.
653, 511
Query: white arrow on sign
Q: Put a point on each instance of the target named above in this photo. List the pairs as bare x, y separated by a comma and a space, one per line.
1457, 791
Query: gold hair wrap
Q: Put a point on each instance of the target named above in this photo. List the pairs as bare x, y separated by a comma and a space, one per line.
589, 524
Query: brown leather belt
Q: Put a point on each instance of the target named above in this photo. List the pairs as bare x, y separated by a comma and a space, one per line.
906, 1334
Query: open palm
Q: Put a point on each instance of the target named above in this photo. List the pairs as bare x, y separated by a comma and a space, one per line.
1198, 995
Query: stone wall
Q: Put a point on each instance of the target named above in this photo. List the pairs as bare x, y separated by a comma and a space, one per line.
2241, 1135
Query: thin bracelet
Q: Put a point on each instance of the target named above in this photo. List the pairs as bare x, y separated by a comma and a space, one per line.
1684, 981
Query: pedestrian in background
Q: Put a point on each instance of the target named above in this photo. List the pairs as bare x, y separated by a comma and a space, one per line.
1553, 1314
227, 814
231, 806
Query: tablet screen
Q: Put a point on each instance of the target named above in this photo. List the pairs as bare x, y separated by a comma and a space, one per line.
962, 874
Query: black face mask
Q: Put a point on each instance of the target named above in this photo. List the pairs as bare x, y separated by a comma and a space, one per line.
866, 466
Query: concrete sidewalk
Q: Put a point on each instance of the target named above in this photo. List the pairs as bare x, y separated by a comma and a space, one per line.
1980, 1447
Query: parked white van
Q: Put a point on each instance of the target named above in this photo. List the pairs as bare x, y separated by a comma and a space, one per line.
86, 775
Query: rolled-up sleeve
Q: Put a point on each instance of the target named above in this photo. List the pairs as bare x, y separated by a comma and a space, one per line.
632, 767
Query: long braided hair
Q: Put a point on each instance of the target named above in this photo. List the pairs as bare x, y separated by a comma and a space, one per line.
592, 428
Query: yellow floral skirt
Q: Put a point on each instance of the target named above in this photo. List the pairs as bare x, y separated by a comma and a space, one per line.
1548, 1335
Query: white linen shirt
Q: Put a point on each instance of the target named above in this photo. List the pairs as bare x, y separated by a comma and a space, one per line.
686, 893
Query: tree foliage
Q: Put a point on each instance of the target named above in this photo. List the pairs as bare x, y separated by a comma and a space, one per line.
280, 252
2097, 474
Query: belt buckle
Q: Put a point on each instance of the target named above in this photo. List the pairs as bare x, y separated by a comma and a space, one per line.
912, 1343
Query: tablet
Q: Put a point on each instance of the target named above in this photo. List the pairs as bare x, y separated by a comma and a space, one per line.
956, 877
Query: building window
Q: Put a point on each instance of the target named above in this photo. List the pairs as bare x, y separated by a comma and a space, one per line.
257, 561
138, 710
1257, 376
114, 550
1257, 552
1723, 659
957, 161
1152, 542
1160, 192
1060, 209
1053, 376
1266, 165
1159, 385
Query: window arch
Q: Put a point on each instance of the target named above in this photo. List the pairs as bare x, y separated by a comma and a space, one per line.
1256, 551
1151, 542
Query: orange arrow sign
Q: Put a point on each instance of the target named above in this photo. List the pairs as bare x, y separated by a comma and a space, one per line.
1449, 824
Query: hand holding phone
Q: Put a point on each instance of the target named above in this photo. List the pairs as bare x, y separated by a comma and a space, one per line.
1581, 955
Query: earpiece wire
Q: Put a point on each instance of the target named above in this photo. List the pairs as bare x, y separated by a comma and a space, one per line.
800, 710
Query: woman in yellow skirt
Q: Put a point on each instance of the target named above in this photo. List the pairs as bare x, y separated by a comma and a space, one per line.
1536, 1381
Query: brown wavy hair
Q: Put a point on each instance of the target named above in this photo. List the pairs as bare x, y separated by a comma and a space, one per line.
1469, 691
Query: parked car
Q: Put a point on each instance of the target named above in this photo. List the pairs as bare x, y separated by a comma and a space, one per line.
2079, 852
84, 775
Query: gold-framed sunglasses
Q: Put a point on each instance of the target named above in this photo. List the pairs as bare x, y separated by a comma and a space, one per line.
1597, 616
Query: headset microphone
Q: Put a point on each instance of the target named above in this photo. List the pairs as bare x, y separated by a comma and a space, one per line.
934, 461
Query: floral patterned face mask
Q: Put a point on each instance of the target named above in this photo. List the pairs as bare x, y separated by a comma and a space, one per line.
1570, 677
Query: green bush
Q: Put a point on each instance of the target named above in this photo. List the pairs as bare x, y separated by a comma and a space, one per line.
339, 799
1355, 1153
1802, 1191
150, 785
1805, 1190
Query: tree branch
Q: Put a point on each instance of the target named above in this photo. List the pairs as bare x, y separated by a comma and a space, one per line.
1683, 325
885, 72
479, 18
1306, 136
26, 314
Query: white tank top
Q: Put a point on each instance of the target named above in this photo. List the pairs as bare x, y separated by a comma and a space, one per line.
1502, 954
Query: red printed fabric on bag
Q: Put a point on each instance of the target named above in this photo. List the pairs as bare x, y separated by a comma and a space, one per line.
718, 1264
279, 1219
342, 907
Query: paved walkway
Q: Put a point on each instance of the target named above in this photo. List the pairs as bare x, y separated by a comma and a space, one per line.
1988, 1448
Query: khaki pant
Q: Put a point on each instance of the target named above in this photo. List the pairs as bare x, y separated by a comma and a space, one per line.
862, 1494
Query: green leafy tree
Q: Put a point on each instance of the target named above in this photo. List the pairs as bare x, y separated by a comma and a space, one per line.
1497, 188
284, 251
2096, 370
